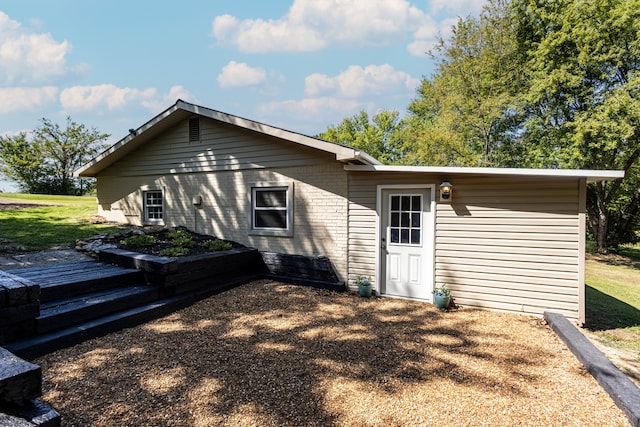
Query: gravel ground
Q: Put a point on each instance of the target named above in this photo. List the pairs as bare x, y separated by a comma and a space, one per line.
269, 354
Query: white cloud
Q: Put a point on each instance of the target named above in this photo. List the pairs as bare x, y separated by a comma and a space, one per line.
236, 74
106, 95
426, 37
461, 8
309, 114
311, 25
158, 104
26, 98
358, 82
28, 57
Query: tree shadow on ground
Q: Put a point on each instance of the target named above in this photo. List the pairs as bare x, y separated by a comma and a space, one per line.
274, 354
617, 260
605, 312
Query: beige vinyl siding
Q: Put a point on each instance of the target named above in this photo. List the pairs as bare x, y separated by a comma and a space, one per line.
362, 218
320, 206
512, 245
504, 243
221, 147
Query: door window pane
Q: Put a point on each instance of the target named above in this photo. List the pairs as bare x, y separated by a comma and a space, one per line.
395, 203
415, 236
405, 219
395, 219
416, 203
406, 203
415, 220
395, 235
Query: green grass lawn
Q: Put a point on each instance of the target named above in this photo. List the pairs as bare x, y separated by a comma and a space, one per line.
58, 221
613, 299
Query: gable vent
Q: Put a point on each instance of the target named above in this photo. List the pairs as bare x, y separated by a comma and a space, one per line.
194, 129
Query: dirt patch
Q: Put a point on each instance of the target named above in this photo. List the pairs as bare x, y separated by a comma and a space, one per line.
627, 361
9, 205
271, 354
614, 259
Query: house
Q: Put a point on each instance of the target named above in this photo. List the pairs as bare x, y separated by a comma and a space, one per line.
502, 239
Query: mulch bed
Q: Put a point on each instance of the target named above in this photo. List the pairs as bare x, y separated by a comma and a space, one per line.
164, 242
270, 354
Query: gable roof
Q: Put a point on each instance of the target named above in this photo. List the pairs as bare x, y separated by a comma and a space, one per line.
182, 110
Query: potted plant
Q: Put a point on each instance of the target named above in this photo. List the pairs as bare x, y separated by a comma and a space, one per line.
364, 286
442, 296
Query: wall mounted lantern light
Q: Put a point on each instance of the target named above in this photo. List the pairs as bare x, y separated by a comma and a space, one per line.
445, 191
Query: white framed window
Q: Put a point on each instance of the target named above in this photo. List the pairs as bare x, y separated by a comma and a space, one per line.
153, 206
405, 219
271, 209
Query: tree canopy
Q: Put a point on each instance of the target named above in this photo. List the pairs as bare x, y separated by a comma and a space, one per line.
582, 100
531, 83
377, 136
44, 161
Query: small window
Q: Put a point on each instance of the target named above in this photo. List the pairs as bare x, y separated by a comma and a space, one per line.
194, 129
153, 206
271, 210
405, 219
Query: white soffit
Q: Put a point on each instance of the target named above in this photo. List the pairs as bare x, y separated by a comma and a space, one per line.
590, 175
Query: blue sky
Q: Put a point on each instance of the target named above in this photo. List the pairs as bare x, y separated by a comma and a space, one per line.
297, 64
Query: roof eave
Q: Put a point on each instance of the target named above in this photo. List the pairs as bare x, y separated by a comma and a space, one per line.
589, 175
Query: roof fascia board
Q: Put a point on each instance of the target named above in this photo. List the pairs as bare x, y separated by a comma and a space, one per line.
126, 140
590, 175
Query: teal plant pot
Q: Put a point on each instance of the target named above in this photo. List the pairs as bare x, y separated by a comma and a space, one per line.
441, 301
365, 291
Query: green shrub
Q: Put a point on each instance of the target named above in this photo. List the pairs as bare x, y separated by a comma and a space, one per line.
216, 245
139, 241
179, 234
181, 239
174, 251
183, 242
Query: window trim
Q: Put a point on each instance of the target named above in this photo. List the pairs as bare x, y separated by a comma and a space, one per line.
145, 214
265, 186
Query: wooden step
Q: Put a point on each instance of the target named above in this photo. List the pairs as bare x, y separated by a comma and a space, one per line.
42, 344
62, 313
73, 279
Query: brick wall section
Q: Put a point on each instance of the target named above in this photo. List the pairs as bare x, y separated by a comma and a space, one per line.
320, 206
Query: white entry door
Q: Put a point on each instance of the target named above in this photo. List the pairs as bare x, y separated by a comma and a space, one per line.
406, 246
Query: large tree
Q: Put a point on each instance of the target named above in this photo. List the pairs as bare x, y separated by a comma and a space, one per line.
45, 162
375, 136
466, 109
583, 100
